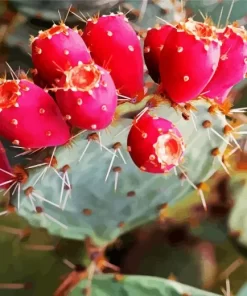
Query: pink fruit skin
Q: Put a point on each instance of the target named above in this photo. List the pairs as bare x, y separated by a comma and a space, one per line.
231, 68
186, 66
89, 111
37, 122
60, 52
5, 166
115, 46
144, 135
153, 44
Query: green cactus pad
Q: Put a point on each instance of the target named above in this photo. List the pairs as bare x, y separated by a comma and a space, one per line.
137, 285
95, 209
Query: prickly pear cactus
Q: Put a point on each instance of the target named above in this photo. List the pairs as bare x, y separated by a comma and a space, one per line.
108, 152
109, 194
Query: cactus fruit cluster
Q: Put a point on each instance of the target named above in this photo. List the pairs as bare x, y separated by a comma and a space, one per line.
108, 154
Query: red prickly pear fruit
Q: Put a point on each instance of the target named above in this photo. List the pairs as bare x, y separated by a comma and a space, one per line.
56, 50
153, 44
89, 98
232, 66
114, 45
154, 144
29, 116
5, 168
188, 60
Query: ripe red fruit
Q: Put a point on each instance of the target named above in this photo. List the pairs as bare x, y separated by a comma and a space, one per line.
4, 168
115, 46
155, 145
232, 66
188, 60
56, 50
153, 44
29, 116
88, 97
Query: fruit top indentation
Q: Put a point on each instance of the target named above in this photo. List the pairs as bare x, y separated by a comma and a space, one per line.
54, 30
8, 94
84, 77
240, 31
200, 30
169, 149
